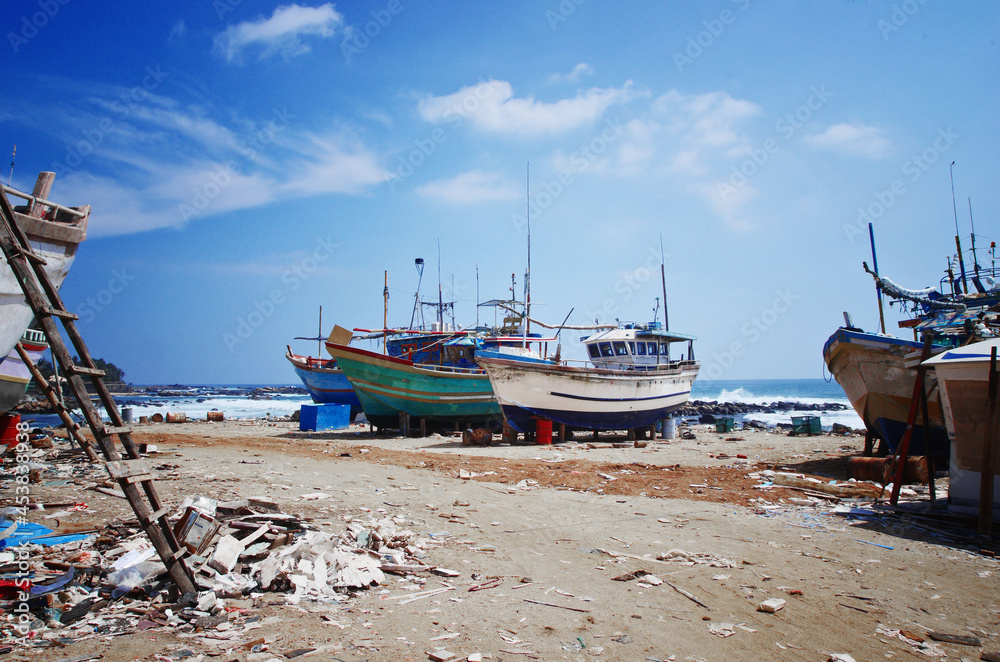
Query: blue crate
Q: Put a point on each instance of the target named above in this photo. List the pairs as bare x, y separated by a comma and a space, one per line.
324, 417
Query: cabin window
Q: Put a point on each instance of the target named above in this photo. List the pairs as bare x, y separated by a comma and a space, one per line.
620, 349
641, 349
594, 352
631, 348
606, 349
664, 349
652, 348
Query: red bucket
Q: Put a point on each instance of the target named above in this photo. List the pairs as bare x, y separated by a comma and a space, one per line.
8, 429
543, 431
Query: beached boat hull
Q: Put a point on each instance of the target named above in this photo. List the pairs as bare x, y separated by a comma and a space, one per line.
14, 375
875, 375
326, 385
587, 398
54, 234
386, 386
963, 374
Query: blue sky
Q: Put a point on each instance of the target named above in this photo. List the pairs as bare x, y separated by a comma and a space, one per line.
248, 162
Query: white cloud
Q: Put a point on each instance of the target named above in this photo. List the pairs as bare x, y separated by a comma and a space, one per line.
491, 106
852, 140
162, 163
580, 70
178, 32
281, 32
471, 187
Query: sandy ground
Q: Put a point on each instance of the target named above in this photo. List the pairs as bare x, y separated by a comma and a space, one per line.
564, 525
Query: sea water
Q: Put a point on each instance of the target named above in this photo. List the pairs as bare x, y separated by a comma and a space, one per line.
200, 400
767, 391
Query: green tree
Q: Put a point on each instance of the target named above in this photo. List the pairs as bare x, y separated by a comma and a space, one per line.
112, 373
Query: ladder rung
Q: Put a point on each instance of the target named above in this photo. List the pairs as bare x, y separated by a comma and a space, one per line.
55, 312
177, 554
83, 370
152, 517
131, 480
112, 430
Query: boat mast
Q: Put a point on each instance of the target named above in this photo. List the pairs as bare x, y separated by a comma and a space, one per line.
975, 260
419, 264
477, 295
319, 336
440, 298
958, 242
527, 273
663, 279
878, 285
385, 313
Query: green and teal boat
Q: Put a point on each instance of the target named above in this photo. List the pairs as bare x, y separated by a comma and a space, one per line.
388, 385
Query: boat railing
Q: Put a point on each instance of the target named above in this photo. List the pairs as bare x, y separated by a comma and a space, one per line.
59, 209
672, 365
449, 368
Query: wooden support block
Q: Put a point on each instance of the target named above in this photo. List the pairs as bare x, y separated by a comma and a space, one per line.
423, 427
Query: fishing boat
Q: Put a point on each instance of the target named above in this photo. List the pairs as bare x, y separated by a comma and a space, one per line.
963, 376
14, 375
878, 371
387, 385
54, 232
632, 381
326, 383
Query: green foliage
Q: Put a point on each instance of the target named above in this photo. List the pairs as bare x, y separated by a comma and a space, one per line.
112, 373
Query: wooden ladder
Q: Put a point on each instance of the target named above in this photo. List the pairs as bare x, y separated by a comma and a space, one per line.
124, 466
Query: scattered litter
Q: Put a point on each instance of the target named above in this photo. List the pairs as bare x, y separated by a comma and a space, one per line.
771, 605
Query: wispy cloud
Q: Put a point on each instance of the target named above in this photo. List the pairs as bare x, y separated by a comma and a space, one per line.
491, 106
281, 33
163, 162
574, 76
471, 187
852, 140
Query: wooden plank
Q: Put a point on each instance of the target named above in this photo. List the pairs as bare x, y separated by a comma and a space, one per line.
56, 312
84, 370
127, 468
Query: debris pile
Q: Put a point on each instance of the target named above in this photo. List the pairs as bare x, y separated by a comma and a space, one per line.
55, 590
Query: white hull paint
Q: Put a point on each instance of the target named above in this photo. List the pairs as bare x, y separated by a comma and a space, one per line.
54, 232
963, 374
588, 398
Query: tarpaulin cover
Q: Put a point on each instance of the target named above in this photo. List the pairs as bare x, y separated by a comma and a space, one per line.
27, 532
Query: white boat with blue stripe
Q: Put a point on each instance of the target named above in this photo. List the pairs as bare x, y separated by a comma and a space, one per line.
632, 381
